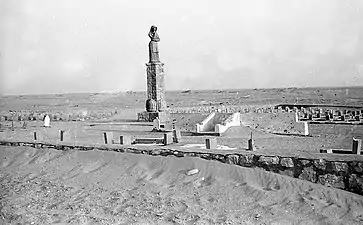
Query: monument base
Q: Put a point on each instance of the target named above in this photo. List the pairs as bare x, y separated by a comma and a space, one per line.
150, 116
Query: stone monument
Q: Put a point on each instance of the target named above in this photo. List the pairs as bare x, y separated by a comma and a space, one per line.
155, 104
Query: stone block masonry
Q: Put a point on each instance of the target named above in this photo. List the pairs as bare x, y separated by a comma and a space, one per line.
155, 85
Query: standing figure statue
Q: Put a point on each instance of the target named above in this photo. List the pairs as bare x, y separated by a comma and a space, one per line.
153, 45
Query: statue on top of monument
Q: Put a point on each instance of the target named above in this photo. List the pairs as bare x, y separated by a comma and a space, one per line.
153, 45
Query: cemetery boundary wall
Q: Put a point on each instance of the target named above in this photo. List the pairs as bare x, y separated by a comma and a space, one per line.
343, 173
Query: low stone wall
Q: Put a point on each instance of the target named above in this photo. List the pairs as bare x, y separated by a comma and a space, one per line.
346, 174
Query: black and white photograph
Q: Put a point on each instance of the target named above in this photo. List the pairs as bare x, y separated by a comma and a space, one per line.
181, 112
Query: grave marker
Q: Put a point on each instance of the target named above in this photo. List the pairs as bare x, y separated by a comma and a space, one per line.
46, 121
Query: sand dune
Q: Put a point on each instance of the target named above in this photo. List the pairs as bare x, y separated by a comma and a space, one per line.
46, 186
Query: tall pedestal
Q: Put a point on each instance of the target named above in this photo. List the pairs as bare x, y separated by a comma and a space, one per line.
156, 93
155, 85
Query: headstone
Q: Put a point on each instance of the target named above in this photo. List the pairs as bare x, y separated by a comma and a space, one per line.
108, 137
38, 136
176, 135
46, 121
357, 146
211, 143
125, 140
168, 138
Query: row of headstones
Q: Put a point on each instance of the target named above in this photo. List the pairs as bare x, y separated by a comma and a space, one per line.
225, 109
55, 116
39, 117
13, 125
329, 114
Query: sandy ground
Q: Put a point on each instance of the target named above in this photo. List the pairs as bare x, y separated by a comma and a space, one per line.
45, 186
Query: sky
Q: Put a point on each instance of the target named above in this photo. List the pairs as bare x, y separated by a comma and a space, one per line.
70, 46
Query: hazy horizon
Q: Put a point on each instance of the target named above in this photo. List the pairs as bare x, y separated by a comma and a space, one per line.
53, 47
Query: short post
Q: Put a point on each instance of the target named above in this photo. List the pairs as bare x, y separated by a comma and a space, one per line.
176, 135
250, 143
125, 140
25, 124
61, 135
306, 128
168, 138
38, 136
357, 146
211, 143
108, 137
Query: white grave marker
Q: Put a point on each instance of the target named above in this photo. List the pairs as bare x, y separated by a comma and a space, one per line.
46, 121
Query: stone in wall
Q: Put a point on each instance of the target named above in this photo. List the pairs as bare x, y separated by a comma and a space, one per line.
269, 160
287, 162
339, 167
331, 180
246, 160
356, 183
320, 164
357, 166
232, 159
309, 174
304, 162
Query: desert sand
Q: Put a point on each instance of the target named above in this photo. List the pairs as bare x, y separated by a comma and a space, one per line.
47, 186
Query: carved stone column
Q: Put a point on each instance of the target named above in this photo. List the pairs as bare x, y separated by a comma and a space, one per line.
155, 85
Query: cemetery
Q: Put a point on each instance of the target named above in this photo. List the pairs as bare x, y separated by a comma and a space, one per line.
318, 143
